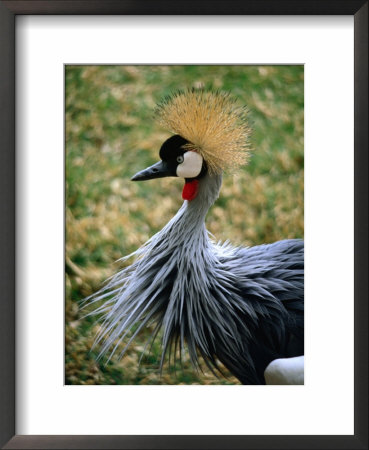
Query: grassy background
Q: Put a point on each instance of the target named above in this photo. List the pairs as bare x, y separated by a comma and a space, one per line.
111, 134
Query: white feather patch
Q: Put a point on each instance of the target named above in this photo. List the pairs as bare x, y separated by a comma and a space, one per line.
285, 371
191, 165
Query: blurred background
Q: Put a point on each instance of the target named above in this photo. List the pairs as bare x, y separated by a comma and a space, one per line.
110, 135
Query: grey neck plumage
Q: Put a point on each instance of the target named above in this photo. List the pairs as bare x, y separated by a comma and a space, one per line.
181, 284
166, 282
202, 297
209, 188
189, 220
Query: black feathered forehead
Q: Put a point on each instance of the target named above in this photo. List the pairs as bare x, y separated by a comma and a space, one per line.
173, 147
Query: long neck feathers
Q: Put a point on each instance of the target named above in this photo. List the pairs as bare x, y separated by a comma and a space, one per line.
165, 282
196, 293
190, 218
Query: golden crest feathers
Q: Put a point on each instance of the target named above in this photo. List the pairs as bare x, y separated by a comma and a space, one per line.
213, 123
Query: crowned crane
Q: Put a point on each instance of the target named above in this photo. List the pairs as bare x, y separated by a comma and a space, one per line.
241, 306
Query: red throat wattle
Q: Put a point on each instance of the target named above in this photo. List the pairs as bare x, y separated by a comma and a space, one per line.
190, 190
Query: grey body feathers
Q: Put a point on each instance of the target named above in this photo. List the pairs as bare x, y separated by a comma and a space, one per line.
241, 306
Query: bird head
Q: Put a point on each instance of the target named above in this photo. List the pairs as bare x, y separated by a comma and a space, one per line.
177, 160
211, 135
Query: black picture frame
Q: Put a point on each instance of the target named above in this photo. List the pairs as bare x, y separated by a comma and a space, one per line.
8, 11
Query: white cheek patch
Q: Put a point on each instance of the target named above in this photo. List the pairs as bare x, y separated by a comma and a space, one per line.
191, 166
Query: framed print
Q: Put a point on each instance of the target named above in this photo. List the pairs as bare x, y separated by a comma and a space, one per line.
57, 59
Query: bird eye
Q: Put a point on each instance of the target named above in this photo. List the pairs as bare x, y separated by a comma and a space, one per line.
180, 159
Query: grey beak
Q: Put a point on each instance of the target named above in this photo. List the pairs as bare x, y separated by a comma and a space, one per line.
158, 170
